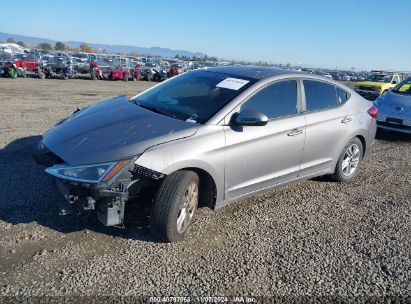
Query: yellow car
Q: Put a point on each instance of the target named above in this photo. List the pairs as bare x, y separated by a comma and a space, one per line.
377, 84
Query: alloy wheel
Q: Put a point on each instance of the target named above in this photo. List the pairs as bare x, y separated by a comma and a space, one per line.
187, 207
351, 160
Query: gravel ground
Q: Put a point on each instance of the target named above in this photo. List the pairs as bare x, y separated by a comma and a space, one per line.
316, 239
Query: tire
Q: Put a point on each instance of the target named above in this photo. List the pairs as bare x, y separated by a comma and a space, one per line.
13, 73
22, 73
167, 216
125, 77
40, 74
349, 172
93, 76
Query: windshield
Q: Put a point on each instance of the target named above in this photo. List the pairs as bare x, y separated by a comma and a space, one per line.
150, 64
380, 78
194, 96
404, 87
80, 55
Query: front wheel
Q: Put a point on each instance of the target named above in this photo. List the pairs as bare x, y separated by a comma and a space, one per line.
174, 205
349, 161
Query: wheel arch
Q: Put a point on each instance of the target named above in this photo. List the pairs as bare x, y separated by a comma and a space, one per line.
207, 187
363, 142
358, 135
212, 190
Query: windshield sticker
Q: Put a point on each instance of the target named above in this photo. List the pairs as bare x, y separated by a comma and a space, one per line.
232, 83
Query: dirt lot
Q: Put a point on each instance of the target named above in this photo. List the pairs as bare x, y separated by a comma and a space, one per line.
317, 238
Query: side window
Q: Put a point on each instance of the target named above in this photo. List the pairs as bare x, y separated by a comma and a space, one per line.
319, 95
275, 100
395, 80
342, 96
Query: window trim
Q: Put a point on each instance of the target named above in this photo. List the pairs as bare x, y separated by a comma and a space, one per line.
298, 104
323, 109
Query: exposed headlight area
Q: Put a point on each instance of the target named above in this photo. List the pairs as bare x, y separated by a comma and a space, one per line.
147, 172
91, 174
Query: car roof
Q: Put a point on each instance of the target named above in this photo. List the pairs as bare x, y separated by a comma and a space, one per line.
260, 73
252, 71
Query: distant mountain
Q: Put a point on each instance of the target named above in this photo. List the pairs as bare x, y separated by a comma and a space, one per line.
153, 51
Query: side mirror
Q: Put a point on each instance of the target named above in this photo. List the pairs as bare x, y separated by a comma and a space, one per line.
251, 118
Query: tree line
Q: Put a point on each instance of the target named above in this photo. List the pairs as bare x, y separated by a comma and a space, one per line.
84, 47
59, 46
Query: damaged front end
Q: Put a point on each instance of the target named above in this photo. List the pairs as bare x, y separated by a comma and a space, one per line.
92, 155
104, 188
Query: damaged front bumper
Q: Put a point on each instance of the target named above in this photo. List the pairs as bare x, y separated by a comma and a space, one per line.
108, 203
106, 197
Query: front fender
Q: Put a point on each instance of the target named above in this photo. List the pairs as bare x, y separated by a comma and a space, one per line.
204, 150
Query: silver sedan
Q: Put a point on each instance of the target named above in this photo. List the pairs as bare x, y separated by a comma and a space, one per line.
208, 137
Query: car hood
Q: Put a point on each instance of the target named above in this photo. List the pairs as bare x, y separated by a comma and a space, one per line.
111, 130
374, 84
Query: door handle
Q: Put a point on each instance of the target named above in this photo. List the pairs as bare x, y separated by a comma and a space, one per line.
346, 120
295, 132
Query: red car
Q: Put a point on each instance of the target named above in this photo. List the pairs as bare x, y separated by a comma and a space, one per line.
30, 62
175, 69
136, 73
118, 73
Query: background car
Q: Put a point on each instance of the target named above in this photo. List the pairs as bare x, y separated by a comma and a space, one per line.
122, 68
378, 83
394, 108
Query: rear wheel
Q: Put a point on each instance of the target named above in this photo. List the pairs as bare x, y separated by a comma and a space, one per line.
349, 161
174, 205
40, 74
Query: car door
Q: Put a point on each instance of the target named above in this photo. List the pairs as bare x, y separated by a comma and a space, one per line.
257, 157
328, 120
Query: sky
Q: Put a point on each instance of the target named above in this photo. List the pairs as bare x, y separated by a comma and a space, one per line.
367, 34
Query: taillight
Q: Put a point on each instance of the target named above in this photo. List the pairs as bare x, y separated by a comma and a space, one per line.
373, 112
